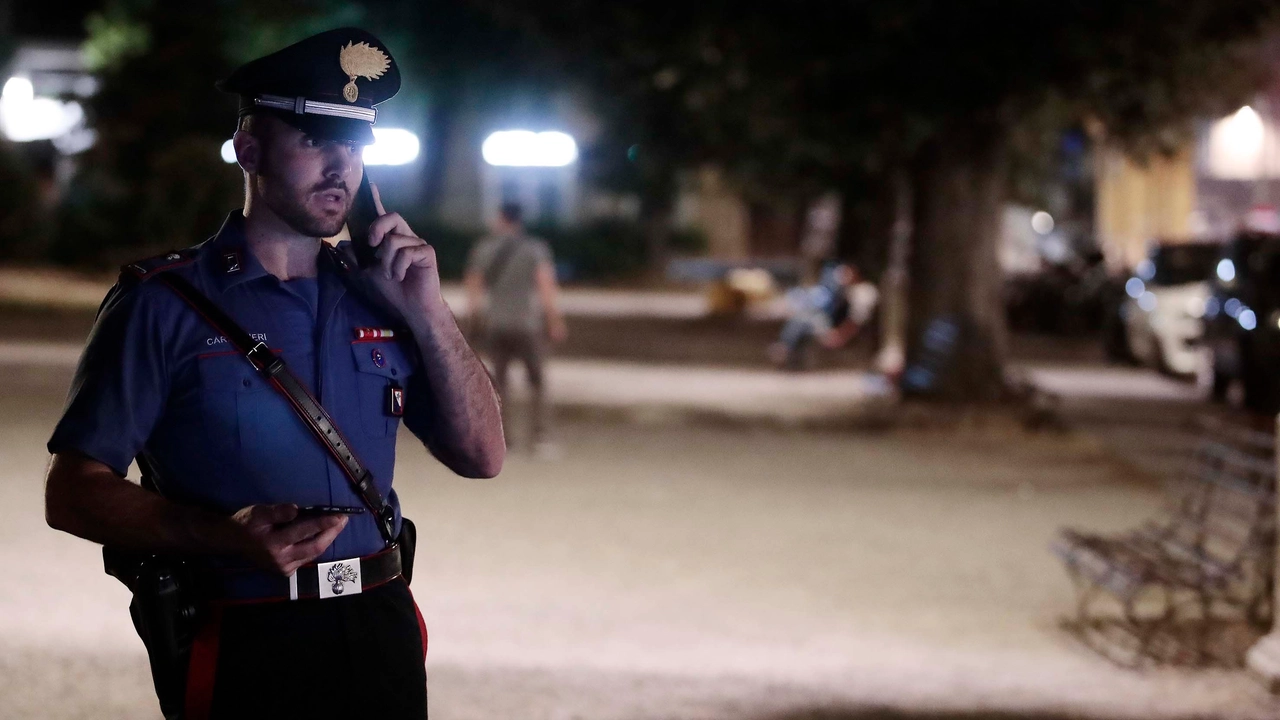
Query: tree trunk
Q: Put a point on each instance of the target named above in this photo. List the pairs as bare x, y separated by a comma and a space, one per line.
956, 336
657, 212
440, 126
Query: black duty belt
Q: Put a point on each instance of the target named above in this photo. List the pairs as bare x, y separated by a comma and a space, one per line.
323, 580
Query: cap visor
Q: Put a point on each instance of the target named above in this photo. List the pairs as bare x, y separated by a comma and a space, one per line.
327, 127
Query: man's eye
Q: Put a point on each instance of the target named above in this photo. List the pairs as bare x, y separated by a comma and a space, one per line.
313, 142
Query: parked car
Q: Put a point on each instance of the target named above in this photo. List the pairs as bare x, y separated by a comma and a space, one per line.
1065, 298
1242, 319
1164, 307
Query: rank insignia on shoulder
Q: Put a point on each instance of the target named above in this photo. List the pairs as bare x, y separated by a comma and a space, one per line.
151, 266
231, 262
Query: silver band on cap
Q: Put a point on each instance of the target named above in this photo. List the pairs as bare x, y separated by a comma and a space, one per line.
301, 105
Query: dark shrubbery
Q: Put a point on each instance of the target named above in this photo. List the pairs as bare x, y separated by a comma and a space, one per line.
22, 226
598, 250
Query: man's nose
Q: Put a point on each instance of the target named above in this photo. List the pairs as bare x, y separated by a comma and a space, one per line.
340, 162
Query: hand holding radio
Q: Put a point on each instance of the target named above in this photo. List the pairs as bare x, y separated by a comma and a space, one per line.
401, 265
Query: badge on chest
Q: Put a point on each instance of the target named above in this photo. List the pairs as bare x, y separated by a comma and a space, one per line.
395, 400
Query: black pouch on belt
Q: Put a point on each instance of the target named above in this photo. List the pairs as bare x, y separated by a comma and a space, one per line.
408, 542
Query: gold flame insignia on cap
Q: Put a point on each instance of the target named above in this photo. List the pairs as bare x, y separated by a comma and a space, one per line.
361, 60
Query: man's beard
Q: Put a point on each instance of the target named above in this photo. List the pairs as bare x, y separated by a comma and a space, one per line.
292, 207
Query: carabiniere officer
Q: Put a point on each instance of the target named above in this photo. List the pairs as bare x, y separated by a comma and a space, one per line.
233, 461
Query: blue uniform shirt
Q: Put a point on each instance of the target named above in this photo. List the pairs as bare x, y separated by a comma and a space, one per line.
156, 377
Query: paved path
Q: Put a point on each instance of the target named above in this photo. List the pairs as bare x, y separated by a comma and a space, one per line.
664, 571
1148, 419
637, 389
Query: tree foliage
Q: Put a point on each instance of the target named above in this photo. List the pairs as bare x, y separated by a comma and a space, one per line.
154, 179
792, 97
801, 92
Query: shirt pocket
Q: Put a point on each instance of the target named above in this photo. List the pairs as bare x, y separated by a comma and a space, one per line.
380, 366
231, 396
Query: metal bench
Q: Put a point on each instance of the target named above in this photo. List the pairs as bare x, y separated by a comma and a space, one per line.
1174, 584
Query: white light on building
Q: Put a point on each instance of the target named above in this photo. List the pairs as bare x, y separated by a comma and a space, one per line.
391, 146
1238, 147
25, 117
525, 148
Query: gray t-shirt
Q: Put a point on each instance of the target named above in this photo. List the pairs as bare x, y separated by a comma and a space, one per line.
511, 288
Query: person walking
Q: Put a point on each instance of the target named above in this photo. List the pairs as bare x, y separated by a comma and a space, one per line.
512, 290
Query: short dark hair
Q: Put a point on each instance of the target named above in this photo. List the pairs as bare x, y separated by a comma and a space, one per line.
511, 212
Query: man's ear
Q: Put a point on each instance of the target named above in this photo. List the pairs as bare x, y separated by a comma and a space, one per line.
248, 151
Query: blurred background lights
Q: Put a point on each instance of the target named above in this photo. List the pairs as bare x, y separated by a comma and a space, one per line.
1135, 287
1042, 222
1226, 270
391, 146
1146, 269
1247, 319
525, 148
25, 117
1147, 301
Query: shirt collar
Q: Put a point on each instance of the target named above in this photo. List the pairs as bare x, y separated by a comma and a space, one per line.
228, 261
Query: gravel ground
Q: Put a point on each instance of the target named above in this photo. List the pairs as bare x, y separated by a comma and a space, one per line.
678, 571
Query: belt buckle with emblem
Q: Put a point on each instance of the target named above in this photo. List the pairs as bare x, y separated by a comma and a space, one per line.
341, 577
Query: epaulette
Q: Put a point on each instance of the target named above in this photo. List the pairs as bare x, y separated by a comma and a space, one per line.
152, 266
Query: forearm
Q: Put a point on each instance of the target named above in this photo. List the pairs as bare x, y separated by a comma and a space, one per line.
89, 500
466, 432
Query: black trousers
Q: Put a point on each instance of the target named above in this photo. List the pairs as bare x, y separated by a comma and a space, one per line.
358, 656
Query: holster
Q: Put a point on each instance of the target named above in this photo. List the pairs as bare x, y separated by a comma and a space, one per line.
167, 612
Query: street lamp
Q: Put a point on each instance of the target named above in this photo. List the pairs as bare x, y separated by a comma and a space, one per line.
525, 148
25, 117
